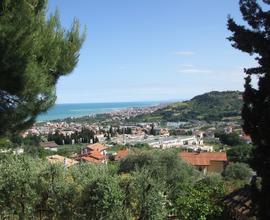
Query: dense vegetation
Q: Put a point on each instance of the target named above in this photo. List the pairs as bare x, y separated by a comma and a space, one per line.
254, 40
145, 185
35, 51
213, 106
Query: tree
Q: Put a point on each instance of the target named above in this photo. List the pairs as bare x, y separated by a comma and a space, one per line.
240, 153
255, 40
102, 198
202, 200
17, 184
231, 139
57, 192
237, 171
144, 196
34, 53
152, 131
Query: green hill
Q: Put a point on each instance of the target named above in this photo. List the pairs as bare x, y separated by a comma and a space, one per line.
212, 106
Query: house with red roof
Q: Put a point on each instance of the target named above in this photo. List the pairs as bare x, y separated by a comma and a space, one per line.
206, 161
94, 153
95, 157
95, 147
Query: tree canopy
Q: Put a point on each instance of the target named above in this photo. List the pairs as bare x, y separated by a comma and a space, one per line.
34, 53
254, 39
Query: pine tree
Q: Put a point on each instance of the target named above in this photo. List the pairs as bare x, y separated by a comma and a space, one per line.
34, 53
254, 39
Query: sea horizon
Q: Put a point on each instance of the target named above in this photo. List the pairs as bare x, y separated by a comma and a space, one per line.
67, 110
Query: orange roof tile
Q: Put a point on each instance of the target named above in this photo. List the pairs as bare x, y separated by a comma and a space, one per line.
96, 155
203, 158
97, 147
90, 159
121, 154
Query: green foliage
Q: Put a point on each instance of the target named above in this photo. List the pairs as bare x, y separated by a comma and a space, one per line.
253, 39
5, 143
237, 171
231, 139
57, 193
69, 150
142, 146
213, 106
240, 153
201, 201
102, 199
34, 53
117, 147
164, 166
83, 136
17, 179
155, 184
150, 196
36, 151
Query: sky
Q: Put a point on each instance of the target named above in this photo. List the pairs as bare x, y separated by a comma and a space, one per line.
151, 50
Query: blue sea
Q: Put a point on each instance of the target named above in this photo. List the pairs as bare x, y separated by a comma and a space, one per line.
61, 111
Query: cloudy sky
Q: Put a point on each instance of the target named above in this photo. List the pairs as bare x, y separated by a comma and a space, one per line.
151, 50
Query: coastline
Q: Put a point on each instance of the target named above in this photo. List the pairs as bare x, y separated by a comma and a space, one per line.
60, 112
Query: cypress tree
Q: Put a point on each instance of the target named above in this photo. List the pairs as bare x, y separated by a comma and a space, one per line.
34, 52
254, 39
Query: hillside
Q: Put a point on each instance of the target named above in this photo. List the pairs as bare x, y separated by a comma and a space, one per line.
212, 106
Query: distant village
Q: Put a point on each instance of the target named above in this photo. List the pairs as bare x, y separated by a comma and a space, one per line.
195, 141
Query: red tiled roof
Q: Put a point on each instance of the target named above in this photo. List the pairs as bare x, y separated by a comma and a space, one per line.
121, 154
203, 158
94, 157
97, 147
90, 159
97, 155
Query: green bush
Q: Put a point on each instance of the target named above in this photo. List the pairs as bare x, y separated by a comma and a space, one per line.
237, 171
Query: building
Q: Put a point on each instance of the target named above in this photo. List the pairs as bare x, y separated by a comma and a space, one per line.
174, 142
94, 153
206, 161
94, 157
95, 147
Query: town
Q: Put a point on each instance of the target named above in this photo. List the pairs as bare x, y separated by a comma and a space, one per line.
99, 142
150, 115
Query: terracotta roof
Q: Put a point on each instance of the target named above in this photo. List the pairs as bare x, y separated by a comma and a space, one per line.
96, 155
202, 158
121, 154
61, 160
50, 144
97, 147
90, 159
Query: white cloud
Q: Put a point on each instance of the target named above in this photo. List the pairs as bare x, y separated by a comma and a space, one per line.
195, 71
184, 53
